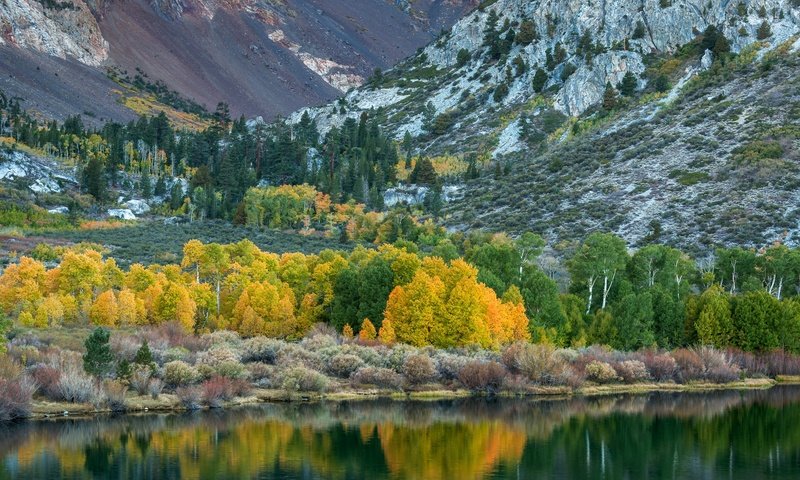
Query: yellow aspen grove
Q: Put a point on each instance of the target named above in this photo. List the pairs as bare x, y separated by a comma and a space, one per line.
105, 310
192, 257
131, 309
265, 309
21, 284
53, 310
175, 303
414, 309
367, 331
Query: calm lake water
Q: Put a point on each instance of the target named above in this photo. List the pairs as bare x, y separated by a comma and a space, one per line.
740, 435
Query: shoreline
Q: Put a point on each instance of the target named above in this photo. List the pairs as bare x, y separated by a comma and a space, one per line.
169, 403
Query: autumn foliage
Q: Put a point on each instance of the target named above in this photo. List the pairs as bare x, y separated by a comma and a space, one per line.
394, 295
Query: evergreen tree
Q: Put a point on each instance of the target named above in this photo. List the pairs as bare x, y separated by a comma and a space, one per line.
764, 31
408, 146
633, 318
714, 324
462, 58
124, 370
433, 202
639, 31
527, 32
541, 297
491, 36
756, 318
609, 98
144, 356
93, 179
539, 80
500, 92
627, 86
346, 300
98, 359
424, 173
161, 187
145, 185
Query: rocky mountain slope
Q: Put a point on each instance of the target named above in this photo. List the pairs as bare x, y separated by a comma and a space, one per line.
701, 150
579, 46
262, 57
719, 165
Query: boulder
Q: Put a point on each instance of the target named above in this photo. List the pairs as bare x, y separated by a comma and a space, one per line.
137, 206
121, 213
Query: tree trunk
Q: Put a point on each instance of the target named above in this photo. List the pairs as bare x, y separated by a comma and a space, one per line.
590, 284
218, 288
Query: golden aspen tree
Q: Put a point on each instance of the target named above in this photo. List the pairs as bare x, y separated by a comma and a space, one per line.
415, 308
367, 331
105, 310
386, 333
347, 332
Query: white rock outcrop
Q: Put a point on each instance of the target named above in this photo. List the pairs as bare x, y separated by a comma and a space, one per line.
137, 206
121, 213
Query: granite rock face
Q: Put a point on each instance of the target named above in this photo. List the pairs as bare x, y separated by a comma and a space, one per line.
620, 34
68, 30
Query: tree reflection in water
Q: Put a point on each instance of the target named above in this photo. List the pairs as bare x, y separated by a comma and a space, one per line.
730, 434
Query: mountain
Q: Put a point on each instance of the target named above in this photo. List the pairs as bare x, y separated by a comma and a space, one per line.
262, 57
673, 119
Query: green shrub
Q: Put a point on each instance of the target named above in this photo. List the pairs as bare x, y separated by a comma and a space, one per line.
601, 372
343, 366
179, 373
302, 379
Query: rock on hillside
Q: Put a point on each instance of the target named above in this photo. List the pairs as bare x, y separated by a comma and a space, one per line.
261, 57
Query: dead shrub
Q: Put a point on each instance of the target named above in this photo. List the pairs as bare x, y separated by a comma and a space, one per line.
15, 397
377, 377
482, 377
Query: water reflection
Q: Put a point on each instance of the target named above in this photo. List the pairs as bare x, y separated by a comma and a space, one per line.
752, 435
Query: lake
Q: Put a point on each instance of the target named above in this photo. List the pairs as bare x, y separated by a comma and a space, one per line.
727, 435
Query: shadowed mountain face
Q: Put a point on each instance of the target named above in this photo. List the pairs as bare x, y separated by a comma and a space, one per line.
262, 57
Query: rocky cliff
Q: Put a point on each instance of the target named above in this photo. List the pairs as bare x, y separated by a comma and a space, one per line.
580, 46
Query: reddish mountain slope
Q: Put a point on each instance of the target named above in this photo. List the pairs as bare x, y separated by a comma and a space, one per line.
262, 57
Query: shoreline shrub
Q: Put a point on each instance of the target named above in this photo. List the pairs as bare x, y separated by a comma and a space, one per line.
601, 372
180, 373
302, 379
482, 377
419, 369
15, 397
190, 397
377, 377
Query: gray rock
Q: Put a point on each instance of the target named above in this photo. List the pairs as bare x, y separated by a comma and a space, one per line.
137, 206
405, 195
707, 60
60, 209
121, 213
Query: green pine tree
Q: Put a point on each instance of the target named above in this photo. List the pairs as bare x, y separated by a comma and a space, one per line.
98, 359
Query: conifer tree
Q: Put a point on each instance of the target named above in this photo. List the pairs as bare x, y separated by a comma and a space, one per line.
98, 359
